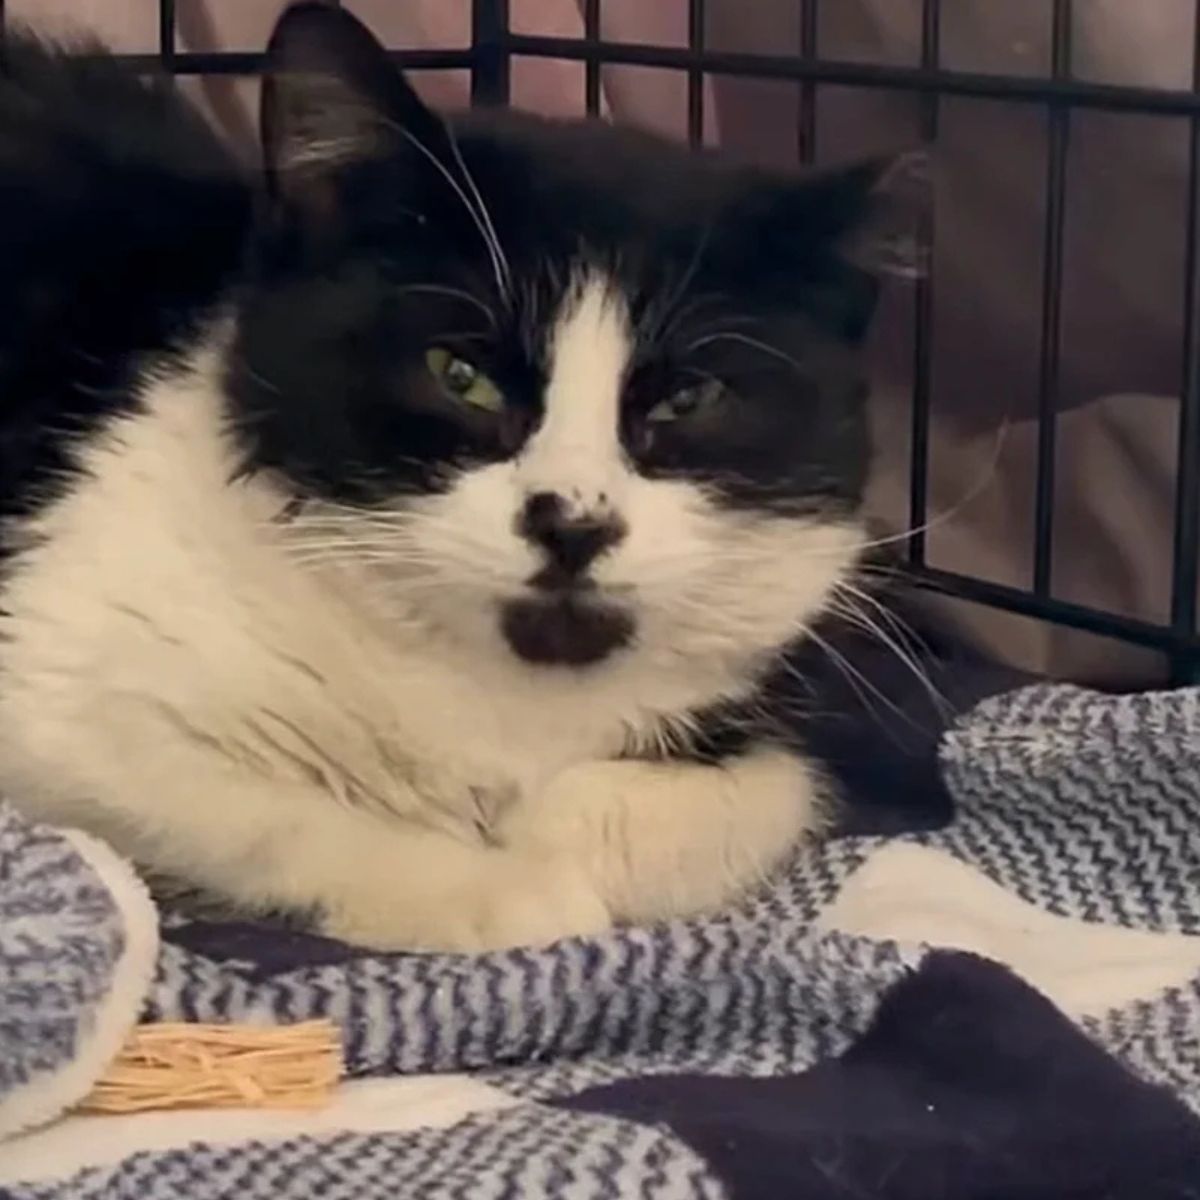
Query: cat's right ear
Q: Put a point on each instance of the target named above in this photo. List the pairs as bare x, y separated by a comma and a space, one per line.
331, 98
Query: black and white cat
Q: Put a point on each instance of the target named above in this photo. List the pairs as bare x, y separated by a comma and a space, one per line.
411, 542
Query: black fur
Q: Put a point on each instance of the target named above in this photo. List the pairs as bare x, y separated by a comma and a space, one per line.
567, 629
121, 221
571, 544
370, 256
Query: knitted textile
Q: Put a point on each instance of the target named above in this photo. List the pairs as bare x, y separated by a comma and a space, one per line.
811, 1041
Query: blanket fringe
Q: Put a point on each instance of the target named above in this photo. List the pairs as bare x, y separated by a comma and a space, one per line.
175, 1065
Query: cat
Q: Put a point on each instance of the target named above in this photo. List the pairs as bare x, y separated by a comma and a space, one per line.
407, 536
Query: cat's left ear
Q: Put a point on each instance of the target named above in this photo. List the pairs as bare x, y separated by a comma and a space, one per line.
829, 237
332, 98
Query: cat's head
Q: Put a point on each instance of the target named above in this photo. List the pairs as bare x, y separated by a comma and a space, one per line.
566, 393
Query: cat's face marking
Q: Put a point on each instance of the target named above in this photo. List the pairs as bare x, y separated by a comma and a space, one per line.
569, 552
567, 394
571, 485
575, 453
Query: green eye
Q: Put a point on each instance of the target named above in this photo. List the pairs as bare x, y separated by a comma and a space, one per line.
462, 380
686, 402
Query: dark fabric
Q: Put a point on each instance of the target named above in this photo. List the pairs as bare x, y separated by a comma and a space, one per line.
270, 948
969, 1085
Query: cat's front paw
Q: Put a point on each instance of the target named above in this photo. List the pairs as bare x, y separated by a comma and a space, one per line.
670, 839
544, 902
522, 903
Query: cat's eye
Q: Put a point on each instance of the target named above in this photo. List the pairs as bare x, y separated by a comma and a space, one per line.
462, 380
686, 402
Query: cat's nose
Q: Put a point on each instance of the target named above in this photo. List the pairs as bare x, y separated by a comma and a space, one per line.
572, 543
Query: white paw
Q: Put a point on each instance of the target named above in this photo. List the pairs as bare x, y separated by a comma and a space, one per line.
524, 902
573, 814
664, 840
544, 902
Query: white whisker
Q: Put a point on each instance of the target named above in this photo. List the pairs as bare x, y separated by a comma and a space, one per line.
482, 209
861, 620
436, 289
677, 293
730, 335
499, 266
855, 678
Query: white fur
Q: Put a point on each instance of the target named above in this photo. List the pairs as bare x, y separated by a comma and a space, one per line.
575, 452
661, 839
324, 711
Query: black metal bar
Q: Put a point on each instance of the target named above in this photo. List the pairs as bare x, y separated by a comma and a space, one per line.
1058, 144
695, 97
241, 62
591, 32
490, 53
166, 34
809, 43
1186, 553
1073, 93
922, 393
1057, 612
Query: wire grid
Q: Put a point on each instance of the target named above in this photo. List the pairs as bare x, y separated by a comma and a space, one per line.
489, 59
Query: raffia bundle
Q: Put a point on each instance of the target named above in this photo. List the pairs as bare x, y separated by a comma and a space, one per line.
170, 1065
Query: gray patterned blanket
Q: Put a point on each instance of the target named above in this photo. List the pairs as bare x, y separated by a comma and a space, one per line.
1008, 1007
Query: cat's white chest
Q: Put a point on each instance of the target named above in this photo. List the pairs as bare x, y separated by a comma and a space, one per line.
157, 619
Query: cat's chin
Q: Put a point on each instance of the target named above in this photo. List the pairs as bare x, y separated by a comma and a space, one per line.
565, 630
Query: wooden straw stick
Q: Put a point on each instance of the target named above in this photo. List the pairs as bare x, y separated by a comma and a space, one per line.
221, 1066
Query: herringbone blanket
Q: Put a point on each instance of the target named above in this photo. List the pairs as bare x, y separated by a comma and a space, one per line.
1007, 1007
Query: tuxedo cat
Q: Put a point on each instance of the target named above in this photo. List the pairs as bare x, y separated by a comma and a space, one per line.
410, 536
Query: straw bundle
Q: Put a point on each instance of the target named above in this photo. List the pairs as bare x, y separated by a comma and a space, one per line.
221, 1066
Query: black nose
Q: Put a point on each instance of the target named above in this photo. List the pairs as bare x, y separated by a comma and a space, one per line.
571, 544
